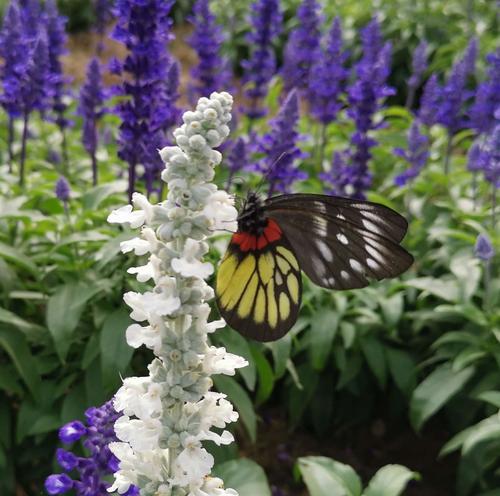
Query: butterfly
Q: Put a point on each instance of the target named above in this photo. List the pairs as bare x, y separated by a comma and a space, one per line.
340, 243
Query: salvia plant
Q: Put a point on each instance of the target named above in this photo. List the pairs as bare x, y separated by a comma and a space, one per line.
167, 415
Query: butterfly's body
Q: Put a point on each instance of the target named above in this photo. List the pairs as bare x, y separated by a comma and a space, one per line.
338, 242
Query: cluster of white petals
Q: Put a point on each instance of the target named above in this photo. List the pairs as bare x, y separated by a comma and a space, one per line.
167, 415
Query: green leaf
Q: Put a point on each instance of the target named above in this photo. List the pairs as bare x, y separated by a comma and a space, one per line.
487, 430
237, 344
281, 350
8, 380
64, 310
435, 391
322, 332
17, 257
266, 376
375, 356
402, 369
94, 196
392, 308
245, 476
17, 348
492, 397
390, 480
115, 352
326, 477
24, 326
447, 290
238, 396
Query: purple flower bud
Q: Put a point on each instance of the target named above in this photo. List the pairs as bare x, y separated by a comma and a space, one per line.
491, 157
474, 158
484, 249
67, 460
72, 431
58, 484
416, 156
62, 190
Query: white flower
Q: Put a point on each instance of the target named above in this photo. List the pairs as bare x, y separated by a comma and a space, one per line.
148, 304
138, 335
138, 397
220, 212
138, 245
189, 265
212, 486
125, 215
218, 361
192, 464
142, 435
143, 273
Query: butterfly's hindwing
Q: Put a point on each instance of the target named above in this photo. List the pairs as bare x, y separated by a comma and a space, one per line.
259, 285
342, 243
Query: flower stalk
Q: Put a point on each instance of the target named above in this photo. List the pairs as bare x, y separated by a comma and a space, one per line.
167, 415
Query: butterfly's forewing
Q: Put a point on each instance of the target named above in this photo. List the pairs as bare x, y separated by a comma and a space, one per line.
342, 243
259, 286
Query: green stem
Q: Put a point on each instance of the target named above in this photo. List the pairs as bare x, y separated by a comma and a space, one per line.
449, 148
24, 140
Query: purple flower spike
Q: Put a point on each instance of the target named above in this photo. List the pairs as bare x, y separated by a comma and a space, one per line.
72, 431
302, 46
484, 248
491, 158
212, 73
416, 156
91, 108
487, 100
429, 103
366, 97
418, 67
94, 470
280, 148
58, 484
237, 159
147, 112
327, 77
470, 57
266, 24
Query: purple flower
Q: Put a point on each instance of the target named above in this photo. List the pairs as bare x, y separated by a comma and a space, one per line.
450, 111
470, 57
484, 249
416, 155
56, 37
91, 108
327, 77
212, 73
487, 98
31, 14
429, 103
147, 112
302, 47
280, 149
58, 484
103, 11
338, 180
266, 24
418, 67
237, 158
491, 157
366, 95
474, 158
90, 473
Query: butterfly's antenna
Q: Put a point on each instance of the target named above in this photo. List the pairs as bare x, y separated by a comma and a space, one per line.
265, 177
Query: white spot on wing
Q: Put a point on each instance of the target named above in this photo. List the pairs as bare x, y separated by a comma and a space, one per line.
325, 250
372, 251
370, 226
331, 281
320, 266
341, 237
320, 206
344, 274
355, 265
321, 226
340, 216
372, 264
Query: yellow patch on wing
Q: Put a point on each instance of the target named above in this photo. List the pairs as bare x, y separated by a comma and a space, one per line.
293, 287
240, 277
283, 265
272, 307
266, 267
289, 256
284, 305
260, 306
246, 303
225, 273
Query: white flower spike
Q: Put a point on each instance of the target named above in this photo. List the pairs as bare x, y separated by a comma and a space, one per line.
168, 414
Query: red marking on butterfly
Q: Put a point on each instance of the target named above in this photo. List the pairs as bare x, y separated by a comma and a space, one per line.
247, 241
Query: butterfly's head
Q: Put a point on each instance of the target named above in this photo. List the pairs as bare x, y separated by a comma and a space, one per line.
252, 218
